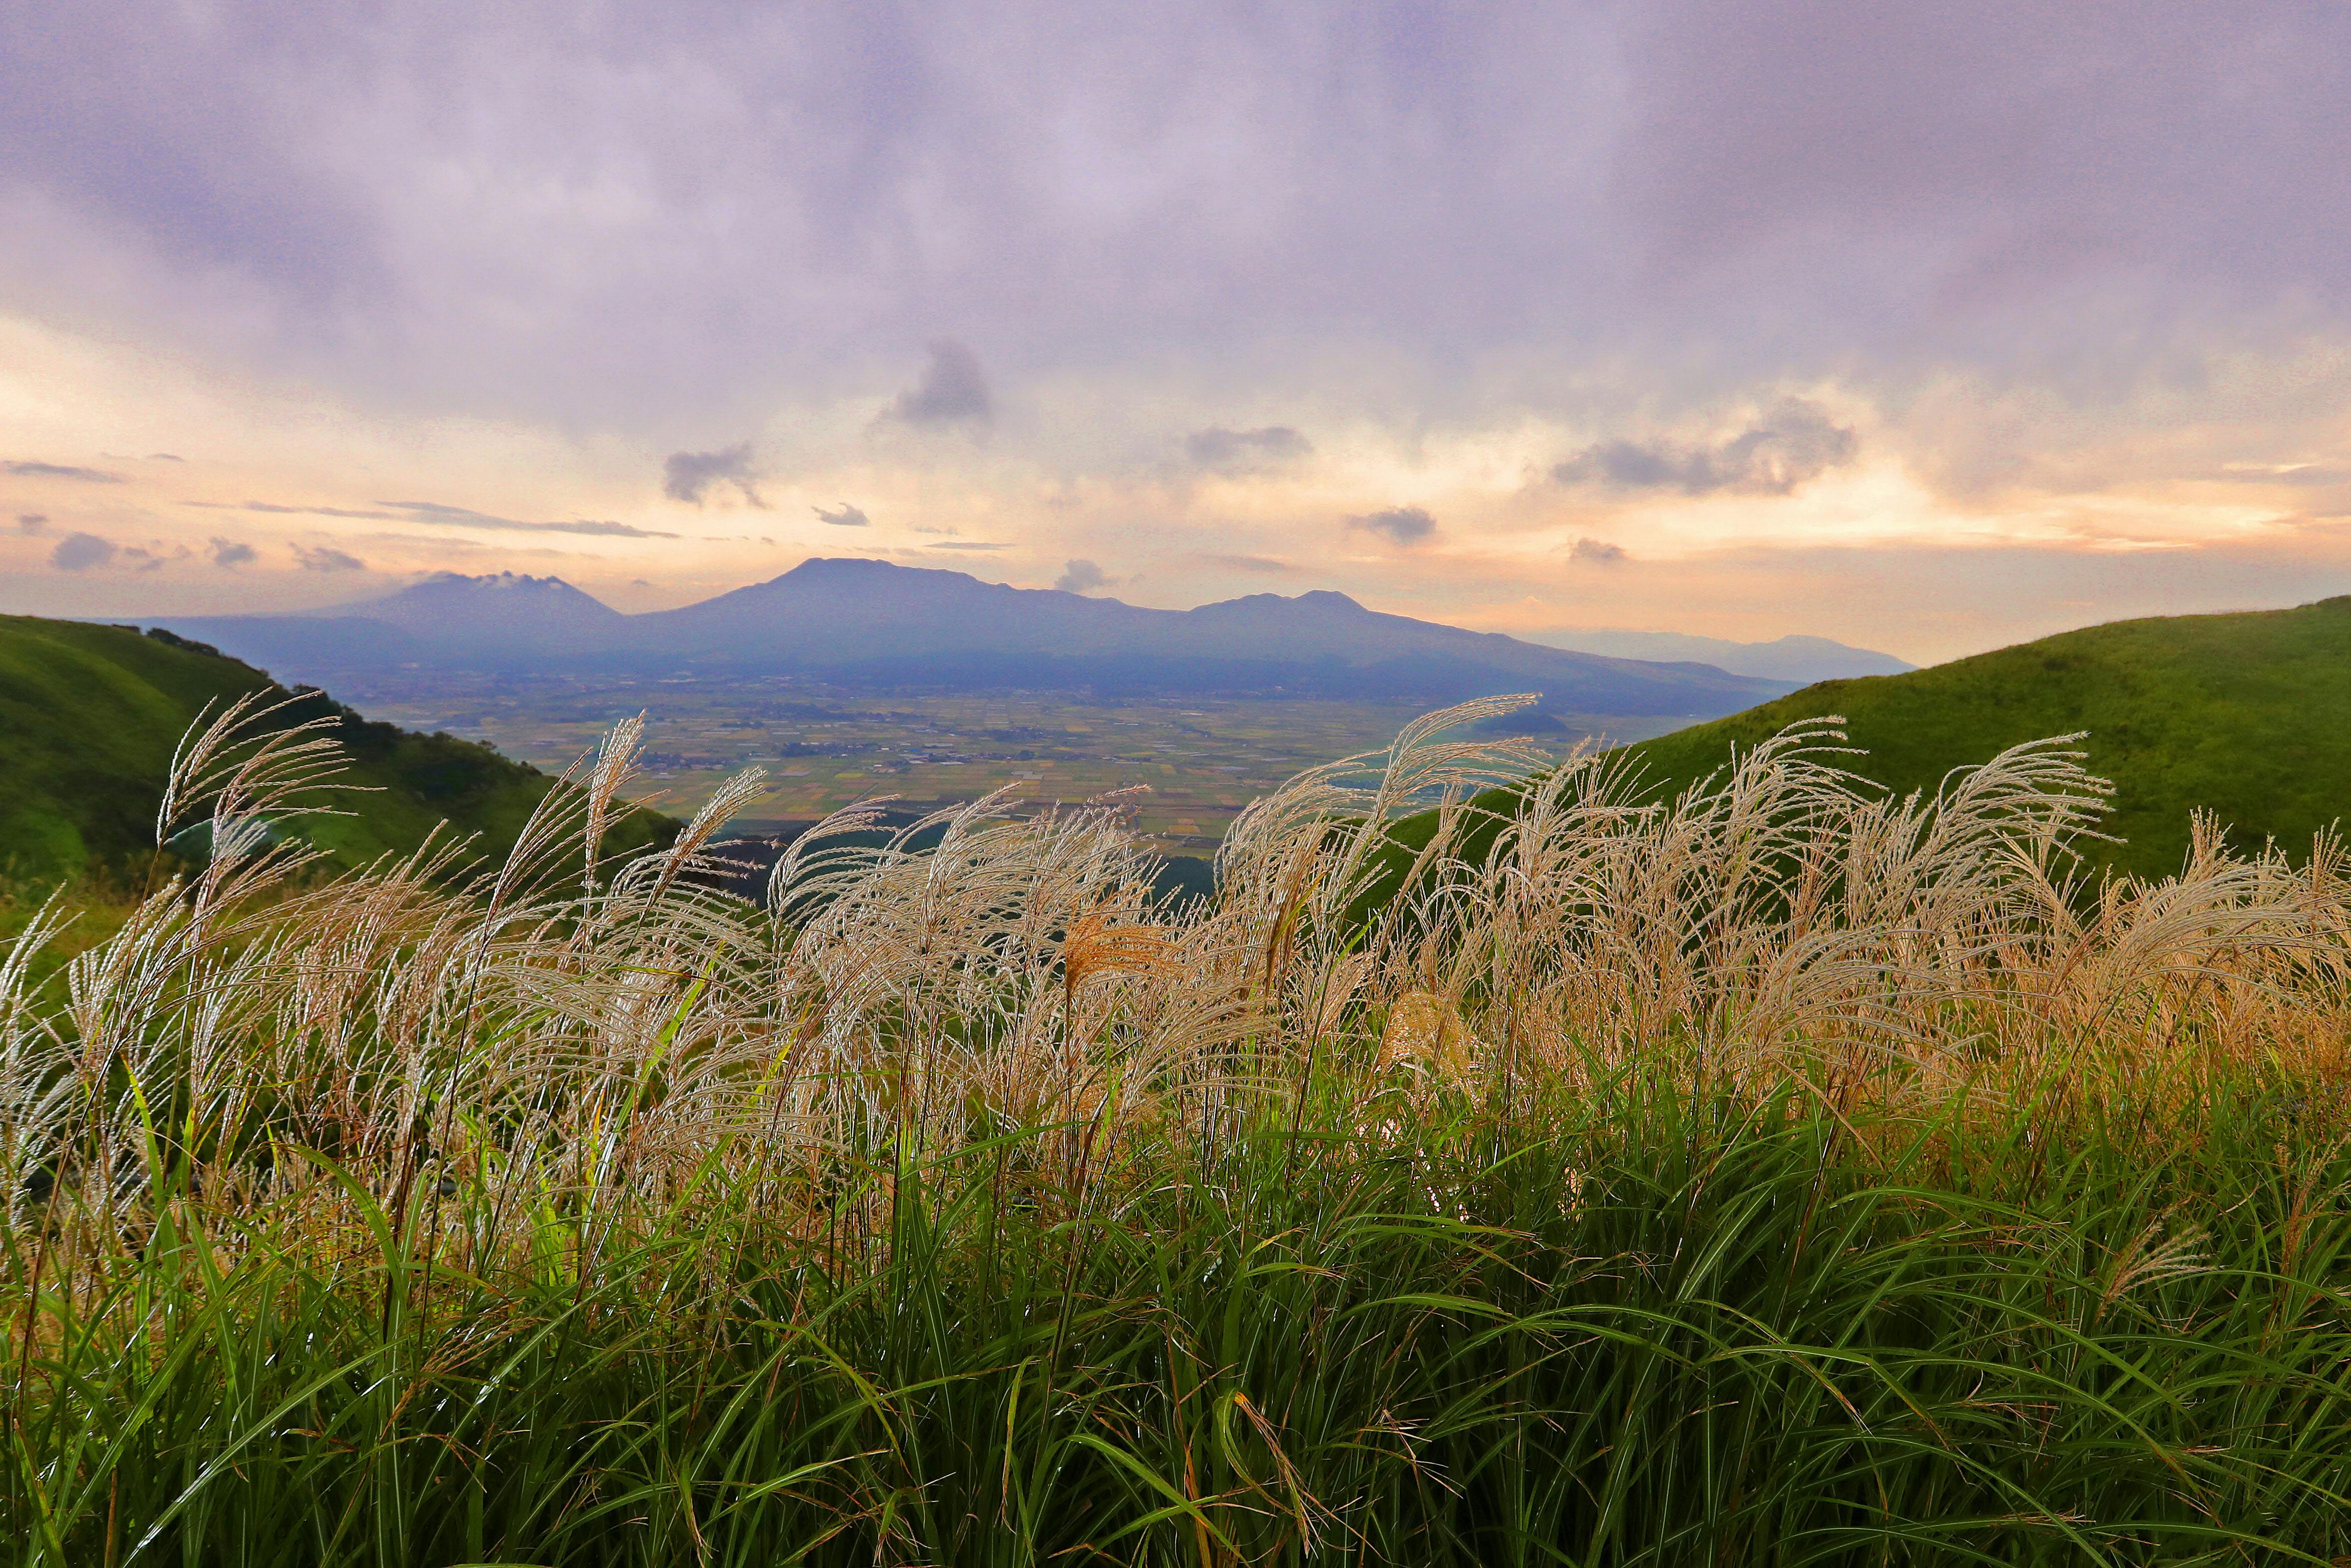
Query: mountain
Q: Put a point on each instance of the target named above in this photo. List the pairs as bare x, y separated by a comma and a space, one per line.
315, 649
873, 623
506, 621
2247, 716
508, 610
90, 716
1799, 658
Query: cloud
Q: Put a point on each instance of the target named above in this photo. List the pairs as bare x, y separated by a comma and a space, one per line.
321, 511
81, 552
953, 389
2302, 476
1226, 450
1795, 442
438, 512
1599, 552
606, 528
843, 516
143, 560
165, 457
690, 476
1758, 183
230, 554
966, 544
1406, 525
324, 558
61, 471
1272, 564
1081, 576
466, 517
32, 522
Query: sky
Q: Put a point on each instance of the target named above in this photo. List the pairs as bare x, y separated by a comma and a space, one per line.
1930, 327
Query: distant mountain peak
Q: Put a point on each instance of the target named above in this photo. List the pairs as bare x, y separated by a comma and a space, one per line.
1795, 657
495, 609
508, 582
462, 585
1322, 601
845, 566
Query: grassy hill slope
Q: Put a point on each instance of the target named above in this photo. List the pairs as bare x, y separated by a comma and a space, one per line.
2247, 715
90, 716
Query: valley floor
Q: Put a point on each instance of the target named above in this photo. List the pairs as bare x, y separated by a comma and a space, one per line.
1201, 759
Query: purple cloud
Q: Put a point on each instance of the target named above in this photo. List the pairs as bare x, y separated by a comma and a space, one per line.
1795, 443
466, 517
691, 475
1406, 525
1081, 576
1238, 451
952, 389
326, 557
28, 470
83, 552
1782, 188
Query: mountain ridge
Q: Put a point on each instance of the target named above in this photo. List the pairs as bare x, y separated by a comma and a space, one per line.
878, 624
1796, 657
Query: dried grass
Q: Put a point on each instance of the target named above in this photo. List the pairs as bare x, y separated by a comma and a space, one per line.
595, 1032
572, 1071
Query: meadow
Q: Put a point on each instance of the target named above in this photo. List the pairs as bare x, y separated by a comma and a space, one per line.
1783, 1172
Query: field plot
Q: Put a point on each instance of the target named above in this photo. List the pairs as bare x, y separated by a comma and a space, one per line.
1203, 759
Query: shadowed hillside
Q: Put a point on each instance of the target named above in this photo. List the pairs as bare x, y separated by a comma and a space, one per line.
90, 716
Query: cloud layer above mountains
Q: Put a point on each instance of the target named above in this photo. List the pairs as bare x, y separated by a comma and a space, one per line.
1795, 442
1719, 288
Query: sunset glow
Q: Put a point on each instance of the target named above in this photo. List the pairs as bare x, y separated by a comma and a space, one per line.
1510, 327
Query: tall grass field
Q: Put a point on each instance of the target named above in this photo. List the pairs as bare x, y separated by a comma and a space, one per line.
1782, 1173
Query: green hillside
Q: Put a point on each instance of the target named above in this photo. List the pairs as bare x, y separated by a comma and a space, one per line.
90, 716
2247, 715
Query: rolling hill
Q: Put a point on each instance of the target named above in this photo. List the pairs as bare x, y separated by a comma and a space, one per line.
873, 624
91, 714
2246, 715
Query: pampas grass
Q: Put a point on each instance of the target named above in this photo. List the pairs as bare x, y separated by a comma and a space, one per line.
1778, 1173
